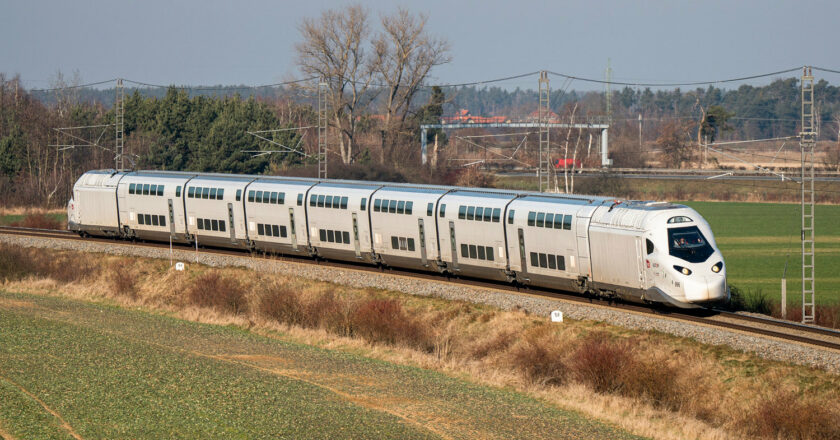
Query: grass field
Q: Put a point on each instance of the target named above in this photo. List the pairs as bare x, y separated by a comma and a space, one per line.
759, 239
75, 369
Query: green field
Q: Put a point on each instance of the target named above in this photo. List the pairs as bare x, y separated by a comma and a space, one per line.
70, 367
759, 239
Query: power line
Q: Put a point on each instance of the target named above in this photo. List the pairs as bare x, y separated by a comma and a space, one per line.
73, 86
222, 88
696, 83
825, 70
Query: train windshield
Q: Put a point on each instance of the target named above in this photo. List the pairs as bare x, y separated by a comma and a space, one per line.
689, 244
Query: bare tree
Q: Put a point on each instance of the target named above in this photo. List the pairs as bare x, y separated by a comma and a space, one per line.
333, 48
404, 53
673, 141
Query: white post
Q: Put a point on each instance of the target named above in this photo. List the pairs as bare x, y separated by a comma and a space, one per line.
196, 248
170, 250
784, 298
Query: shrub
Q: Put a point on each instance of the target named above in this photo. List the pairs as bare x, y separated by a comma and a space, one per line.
540, 357
786, 415
282, 305
599, 363
15, 263
38, 221
496, 344
215, 291
330, 313
123, 281
755, 301
383, 320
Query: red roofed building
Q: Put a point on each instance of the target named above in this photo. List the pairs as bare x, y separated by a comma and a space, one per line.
464, 117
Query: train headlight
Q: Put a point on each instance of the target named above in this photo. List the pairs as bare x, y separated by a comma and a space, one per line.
717, 267
683, 270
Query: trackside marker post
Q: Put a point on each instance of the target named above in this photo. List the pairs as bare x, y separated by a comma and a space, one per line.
556, 316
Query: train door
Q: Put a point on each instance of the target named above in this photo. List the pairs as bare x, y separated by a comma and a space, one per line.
582, 235
640, 260
523, 261
171, 220
292, 229
453, 245
230, 223
356, 236
422, 231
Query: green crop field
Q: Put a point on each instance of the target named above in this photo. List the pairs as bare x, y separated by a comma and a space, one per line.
759, 239
70, 368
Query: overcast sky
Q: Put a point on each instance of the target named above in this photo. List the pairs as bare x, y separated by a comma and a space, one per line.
252, 42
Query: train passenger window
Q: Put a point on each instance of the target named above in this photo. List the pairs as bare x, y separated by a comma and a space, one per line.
558, 221
190, 192
649, 246
178, 191
260, 229
220, 194
153, 190
212, 194
464, 251
403, 244
482, 255
313, 200
140, 219
145, 189
258, 197
336, 202
567, 222
409, 207
283, 231
442, 211
532, 217
462, 212
222, 225
400, 207
497, 215
251, 195
534, 259
160, 190
392, 207
200, 223
543, 260
148, 219
331, 236
471, 213
473, 253
281, 198
273, 197
490, 253
322, 234
214, 224
346, 236
205, 193
328, 202
488, 214
510, 216
344, 201
162, 220
321, 199
363, 204
429, 207
561, 262
549, 220
411, 244
131, 188
395, 243
540, 219
376, 204
239, 195
275, 230
300, 200
552, 263
479, 211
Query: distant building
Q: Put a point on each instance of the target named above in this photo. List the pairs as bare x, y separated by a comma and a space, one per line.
464, 117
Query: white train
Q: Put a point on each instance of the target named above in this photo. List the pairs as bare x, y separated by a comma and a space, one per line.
640, 251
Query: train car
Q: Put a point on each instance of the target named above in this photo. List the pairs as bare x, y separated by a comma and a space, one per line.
652, 252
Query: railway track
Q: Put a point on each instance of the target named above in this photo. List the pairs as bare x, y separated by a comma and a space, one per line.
749, 324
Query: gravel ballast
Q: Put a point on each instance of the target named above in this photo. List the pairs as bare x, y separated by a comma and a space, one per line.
765, 347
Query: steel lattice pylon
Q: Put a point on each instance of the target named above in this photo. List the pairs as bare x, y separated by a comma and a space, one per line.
807, 142
544, 171
119, 113
322, 129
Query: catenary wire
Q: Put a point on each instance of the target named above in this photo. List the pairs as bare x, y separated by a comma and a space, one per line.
695, 83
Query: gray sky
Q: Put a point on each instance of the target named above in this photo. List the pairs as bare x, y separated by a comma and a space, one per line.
252, 42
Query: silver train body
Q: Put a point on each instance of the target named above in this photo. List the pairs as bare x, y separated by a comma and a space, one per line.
639, 251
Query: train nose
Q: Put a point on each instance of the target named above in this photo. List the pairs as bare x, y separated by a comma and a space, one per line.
705, 288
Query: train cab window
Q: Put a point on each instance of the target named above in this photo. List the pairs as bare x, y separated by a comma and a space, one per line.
212, 193
273, 198
239, 195
400, 207
429, 208
363, 204
300, 200
567, 222
251, 195
471, 213
549, 220
205, 193
497, 215
131, 189
160, 190
344, 201
510, 216
442, 211
649, 246
409, 207
462, 212
392, 206
465, 251
532, 218
178, 191
540, 219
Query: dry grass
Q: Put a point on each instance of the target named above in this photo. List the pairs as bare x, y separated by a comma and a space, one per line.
653, 384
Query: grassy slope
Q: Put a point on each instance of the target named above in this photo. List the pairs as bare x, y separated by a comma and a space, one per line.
757, 239
116, 373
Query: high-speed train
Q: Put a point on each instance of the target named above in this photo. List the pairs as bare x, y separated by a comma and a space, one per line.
654, 252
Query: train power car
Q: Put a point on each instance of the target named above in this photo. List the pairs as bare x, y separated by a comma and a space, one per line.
654, 252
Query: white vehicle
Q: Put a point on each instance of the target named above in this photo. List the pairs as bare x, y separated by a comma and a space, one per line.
653, 252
